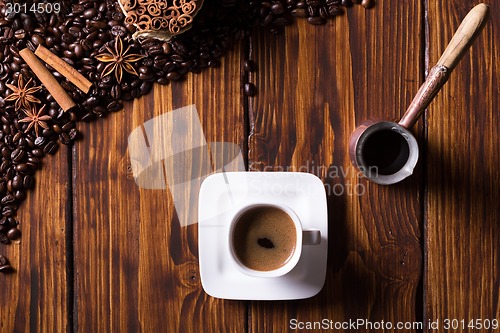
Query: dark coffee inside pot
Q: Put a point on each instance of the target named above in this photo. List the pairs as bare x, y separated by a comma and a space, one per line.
385, 152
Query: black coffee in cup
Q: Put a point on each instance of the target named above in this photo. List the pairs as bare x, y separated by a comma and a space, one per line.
264, 238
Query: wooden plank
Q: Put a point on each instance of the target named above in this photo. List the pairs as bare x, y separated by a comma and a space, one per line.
136, 267
35, 297
462, 229
316, 84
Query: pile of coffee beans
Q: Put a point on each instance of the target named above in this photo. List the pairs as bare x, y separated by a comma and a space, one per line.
81, 31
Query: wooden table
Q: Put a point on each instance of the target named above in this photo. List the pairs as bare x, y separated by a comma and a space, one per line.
100, 254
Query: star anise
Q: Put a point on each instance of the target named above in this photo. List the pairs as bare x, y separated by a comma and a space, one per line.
35, 119
118, 60
22, 94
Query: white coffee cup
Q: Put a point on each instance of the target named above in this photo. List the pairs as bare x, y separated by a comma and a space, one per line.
303, 237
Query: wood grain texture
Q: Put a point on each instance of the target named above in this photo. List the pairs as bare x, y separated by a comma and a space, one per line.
316, 84
136, 267
463, 199
36, 296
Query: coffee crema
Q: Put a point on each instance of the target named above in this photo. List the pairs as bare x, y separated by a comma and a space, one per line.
264, 238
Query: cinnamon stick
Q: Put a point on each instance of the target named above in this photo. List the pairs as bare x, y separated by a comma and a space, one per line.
48, 80
64, 68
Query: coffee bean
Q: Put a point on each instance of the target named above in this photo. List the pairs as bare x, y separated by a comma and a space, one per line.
162, 81
367, 3
17, 182
316, 20
73, 134
64, 138
114, 106
3, 260
78, 51
20, 195
5, 120
102, 7
179, 47
9, 174
17, 137
312, 11
155, 49
159, 62
249, 65
99, 110
57, 129
277, 8
40, 141
27, 182
4, 239
113, 23
5, 268
177, 58
17, 155
33, 161
144, 70
50, 148
6, 152
8, 199
265, 243
69, 125
334, 10
249, 89
117, 16
37, 152
173, 76
11, 222
214, 63
75, 31
91, 102
89, 13
116, 91
9, 210
14, 234
19, 34
146, 87
23, 168
146, 77
119, 30
135, 93
167, 48
5, 165
98, 24
67, 38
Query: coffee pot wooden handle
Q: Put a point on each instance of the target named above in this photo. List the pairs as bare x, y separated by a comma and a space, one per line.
468, 30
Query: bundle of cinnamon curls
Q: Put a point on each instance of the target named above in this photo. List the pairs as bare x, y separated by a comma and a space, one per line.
160, 19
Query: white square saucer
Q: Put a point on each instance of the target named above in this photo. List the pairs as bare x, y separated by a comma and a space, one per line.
222, 195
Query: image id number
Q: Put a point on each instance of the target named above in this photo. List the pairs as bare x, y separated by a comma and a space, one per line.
478, 324
33, 8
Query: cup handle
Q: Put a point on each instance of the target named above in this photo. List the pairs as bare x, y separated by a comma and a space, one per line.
311, 237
